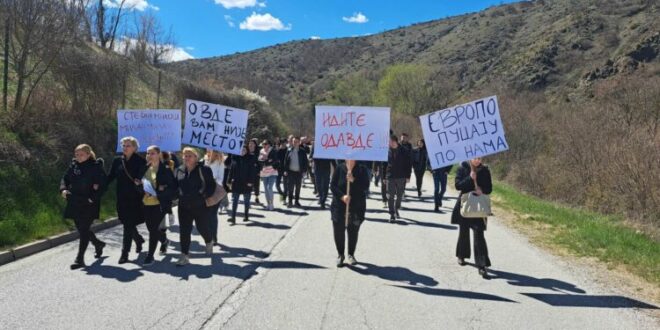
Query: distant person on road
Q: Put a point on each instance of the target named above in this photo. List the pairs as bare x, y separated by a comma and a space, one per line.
253, 151
127, 169
158, 179
269, 163
295, 166
357, 201
397, 174
440, 185
420, 161
82, 186
281, 179
195, 183
472, 177
242, 177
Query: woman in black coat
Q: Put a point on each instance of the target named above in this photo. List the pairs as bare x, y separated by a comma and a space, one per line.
81, 186
161, 181
466, 176
420, 160
359, 179
241, 180
195, 183
128, 169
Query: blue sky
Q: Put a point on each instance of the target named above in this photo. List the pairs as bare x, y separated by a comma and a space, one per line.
206, 28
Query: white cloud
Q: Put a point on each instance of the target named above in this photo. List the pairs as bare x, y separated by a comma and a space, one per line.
356, 18
315, 37
140, 5
173, 54
265, 22
190, 48
230, 21
241, 4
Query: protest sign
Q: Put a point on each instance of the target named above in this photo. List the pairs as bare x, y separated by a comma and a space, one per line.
150, 127
463, 132
214, 126
358, 133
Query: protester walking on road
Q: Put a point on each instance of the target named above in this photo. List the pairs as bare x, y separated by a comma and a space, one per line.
357, 205
472, 177
240, 181
195, 183
82, 186
420, 163
397, 174
253, 151
269, 164
159, 189
216, 162
295, 166
127, 169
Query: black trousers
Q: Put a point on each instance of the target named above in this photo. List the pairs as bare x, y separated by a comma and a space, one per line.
187, 216
419, 179
383, 191
278, 183
130, 234
257, 187
86, 235
322, 180
480, 248
153, 216
294, 182
340, 231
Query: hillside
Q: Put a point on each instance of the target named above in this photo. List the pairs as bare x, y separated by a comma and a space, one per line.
578, 83
550, 46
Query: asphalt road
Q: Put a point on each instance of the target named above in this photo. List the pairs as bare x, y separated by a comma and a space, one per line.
278, 272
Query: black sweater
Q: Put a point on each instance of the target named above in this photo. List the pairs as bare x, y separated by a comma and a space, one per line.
358, 195
192, 189
85, 182
127, 191
399, 163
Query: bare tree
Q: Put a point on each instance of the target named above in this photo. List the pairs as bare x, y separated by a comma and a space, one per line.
40, 29
107, 22
150, 43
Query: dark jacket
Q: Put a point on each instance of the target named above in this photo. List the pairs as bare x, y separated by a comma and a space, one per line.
399, 164
243, 171
272, 160
192, 190
358, 195
302, 160
127, 192
420, 159
80, 180
464, 184
166, 187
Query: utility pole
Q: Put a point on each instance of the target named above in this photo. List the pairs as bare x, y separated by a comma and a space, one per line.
158, 92
5, 82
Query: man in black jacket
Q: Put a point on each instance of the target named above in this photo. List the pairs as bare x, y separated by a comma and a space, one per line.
397, 174
322, 168
295, 166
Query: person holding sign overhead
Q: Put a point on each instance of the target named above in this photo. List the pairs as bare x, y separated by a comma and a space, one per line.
472, 177
353, 174
195, 182
159, 190
127, 169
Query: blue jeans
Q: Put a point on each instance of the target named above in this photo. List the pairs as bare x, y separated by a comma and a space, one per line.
246, 202
269, 182
440, 186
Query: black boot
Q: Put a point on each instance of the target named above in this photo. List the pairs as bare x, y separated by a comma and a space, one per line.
124, 258
247, 217
98, 249
78, 263
138, 244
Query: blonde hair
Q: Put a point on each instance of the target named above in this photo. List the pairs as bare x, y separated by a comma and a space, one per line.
189, 150
132, 140
154, 147
86, 149
216, 156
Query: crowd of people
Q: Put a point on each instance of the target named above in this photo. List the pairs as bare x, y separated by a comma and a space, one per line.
148, 187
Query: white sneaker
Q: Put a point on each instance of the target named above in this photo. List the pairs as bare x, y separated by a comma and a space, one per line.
183, 260
351, 260
171, 219
209, 248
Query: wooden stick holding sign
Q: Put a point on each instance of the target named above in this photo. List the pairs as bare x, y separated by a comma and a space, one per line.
350, 164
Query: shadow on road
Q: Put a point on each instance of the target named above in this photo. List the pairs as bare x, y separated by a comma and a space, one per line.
455, 293
395, 274
529, 281
112, 272
576, 300
411, 222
